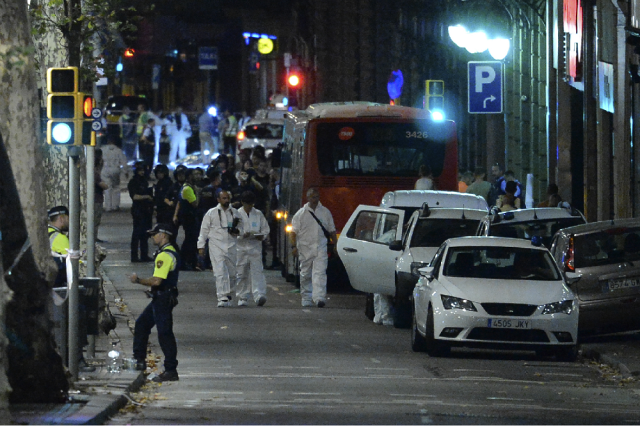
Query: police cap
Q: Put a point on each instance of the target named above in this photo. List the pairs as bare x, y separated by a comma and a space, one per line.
161, 227
57, 210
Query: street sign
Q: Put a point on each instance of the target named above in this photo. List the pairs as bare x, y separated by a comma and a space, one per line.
208, 58
96, 126
96, 113
485, 87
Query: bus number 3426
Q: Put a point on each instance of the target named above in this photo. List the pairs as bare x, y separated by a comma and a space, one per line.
417, 135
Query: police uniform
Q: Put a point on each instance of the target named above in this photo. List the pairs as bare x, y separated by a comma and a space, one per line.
59, 243
159, 312
189, 221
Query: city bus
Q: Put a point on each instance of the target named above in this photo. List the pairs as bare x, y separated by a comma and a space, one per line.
353, 153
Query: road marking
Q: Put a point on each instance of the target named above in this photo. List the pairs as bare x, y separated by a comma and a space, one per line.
338, 333
317, 400
399, 395
386, 368
315, 393
221, 392
308, 311
509, 399
562, 374
470, 369
376, 361
291, 366
356, 346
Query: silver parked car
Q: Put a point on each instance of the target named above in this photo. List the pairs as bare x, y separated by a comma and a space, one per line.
606, 258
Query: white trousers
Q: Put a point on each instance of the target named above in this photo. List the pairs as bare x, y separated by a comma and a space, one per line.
382, 308
251, 277
313, 274
112, 198
156, 148
178, 147
224, 270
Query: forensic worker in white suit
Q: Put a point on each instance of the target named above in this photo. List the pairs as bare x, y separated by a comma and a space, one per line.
312, 227
253, 230
220, 226
180, 130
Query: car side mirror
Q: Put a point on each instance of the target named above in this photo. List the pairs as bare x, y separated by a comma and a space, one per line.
395, 245
426, 272
572, 277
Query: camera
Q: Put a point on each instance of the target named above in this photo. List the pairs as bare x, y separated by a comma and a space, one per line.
234, 226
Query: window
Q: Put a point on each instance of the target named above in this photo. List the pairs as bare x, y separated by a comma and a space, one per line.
433, 232
375, 227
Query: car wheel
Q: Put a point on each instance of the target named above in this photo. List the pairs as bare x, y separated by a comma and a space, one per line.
369, 310
434, 347
567, 353
418, 342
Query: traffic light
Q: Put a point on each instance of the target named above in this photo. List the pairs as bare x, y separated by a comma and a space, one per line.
435, 95
294, 80
68, 111
129, 52
62, 105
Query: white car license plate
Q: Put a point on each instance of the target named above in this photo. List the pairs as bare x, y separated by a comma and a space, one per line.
509, 323
624, 283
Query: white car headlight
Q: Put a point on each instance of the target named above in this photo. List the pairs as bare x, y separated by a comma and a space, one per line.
564, 307
417, 265
450, 302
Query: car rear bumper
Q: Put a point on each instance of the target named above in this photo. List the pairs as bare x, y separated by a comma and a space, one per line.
610, 315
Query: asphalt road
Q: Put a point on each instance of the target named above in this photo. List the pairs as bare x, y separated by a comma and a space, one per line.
284, 364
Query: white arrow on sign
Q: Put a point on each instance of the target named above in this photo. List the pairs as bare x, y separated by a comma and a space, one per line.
96, 113
490, 98
96, 125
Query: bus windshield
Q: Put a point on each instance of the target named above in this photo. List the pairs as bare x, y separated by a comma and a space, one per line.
381, 148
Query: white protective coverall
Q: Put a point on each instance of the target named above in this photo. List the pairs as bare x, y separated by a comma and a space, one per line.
115, 163
249, 263
157, 133
222, 248
179, 136
312, 252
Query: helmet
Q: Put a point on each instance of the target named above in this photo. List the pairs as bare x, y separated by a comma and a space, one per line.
180, 168
139, 165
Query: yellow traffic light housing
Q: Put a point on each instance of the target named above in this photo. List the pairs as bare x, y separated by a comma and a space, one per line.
434, 99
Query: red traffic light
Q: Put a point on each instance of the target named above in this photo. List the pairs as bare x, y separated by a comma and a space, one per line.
293, 80
87, 106
128, 53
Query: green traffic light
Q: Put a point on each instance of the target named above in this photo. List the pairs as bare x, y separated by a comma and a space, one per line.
61, 133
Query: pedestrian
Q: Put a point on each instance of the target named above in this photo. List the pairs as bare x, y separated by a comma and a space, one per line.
263, 199
180, 131
159, 123
480, 186
162, 196
220, 227
115, 164
425, 180
465, 180
59, 243
205, 124
127, 122
141, 211
253, 231
552, 189
508, 201
509, 176
159, 312
208, 200
244, 118
143, 118
186, 216
146, 145
246, 182
272, 219
230, 133
497, 172
313, 229
98, 195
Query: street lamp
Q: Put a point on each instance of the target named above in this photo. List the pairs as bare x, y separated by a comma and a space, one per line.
478, 42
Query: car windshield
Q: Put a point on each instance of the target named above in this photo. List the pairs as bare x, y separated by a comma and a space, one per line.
264, 131
501, 263
381, 148
432, 232
545, 229
607, 247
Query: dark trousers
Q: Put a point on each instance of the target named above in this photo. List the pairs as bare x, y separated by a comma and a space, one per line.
158, 313
139, 238
189, 249
230, 143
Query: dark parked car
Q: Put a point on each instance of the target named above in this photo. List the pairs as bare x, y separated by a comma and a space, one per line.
606, 257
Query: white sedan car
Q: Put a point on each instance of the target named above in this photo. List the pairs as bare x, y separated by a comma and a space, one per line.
483, 291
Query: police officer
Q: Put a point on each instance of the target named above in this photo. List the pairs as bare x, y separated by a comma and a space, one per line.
187, 217
59, 242
159, 312
142, 212
162, 197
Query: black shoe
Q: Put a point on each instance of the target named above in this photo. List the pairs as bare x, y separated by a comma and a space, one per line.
98, 240
140, 366
167, 376
146, 259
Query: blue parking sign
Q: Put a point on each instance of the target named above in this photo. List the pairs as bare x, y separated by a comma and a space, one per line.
208, 58
485, 87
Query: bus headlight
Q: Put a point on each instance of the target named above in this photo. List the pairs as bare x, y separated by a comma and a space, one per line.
288, 228
278, 215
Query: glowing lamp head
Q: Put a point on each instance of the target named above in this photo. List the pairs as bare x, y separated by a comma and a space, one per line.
278, 215
241, 136
437, 115
129, 53
213, 111
288, 228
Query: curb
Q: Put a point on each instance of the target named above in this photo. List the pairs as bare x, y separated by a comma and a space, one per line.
596, 355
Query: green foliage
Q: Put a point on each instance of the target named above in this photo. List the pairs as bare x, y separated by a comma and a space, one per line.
89, 28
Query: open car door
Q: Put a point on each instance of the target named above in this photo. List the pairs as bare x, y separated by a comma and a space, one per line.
363, 247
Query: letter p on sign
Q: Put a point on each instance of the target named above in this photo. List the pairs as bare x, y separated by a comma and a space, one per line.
485, 87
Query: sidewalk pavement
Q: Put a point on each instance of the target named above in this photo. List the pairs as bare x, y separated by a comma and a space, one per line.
96, 396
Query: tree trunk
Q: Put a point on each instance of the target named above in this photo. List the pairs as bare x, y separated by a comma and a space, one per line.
35, 369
